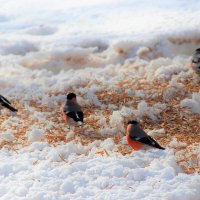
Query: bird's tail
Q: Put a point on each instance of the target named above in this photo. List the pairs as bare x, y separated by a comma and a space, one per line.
9, 107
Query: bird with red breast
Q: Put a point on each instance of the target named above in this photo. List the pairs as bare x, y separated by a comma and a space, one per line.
137, 137
72, 111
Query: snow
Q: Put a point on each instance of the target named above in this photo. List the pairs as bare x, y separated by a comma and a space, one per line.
174, 88
143, 109
142, 175
8, 136
116, 121
35, 134
108, 144
193, 103
175, 144
157, 133
48, 48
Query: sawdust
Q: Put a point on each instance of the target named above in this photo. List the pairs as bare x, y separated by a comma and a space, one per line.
178, 122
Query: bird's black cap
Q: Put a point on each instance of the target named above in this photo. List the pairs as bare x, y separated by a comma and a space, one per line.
133, 122
70, 96
197, 50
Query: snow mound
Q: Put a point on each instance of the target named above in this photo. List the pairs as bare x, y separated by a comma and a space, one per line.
177, 144
108, 144
157, 133
116, 121
143, 109
8, 136
17, 47
193, 104
35, 135
42, 30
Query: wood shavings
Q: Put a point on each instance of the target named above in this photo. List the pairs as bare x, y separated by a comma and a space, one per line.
178, 122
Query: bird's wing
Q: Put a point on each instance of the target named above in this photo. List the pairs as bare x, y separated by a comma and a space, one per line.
4, 100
